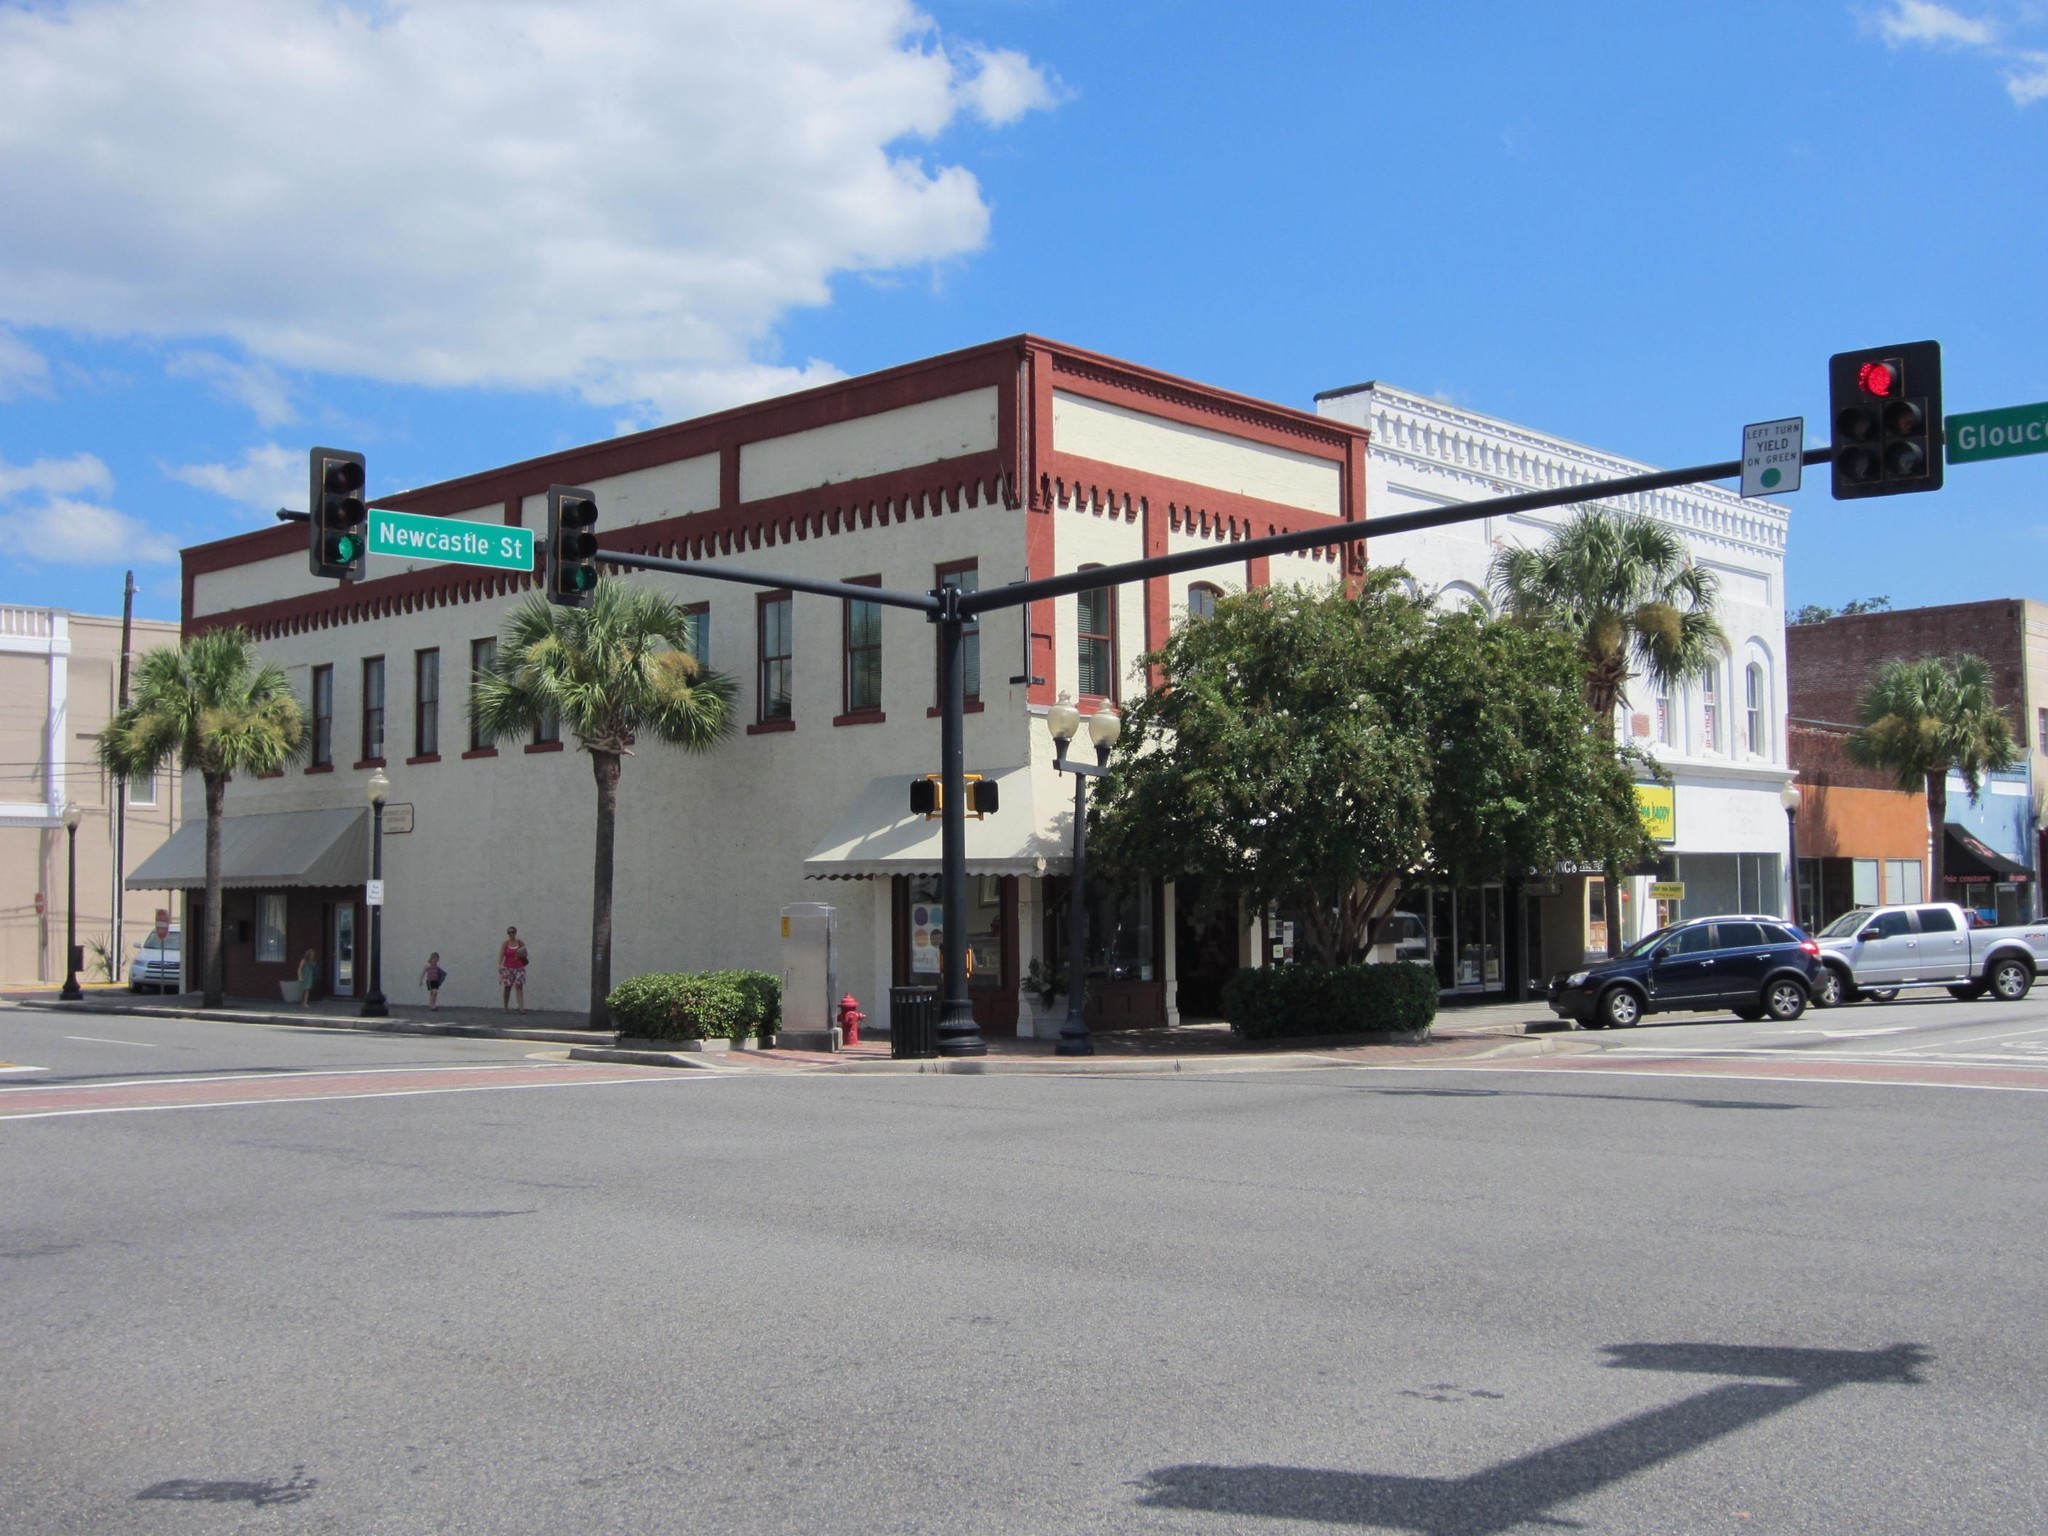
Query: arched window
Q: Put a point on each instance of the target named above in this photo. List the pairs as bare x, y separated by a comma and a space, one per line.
1755, 694
1095, 642
1202, 600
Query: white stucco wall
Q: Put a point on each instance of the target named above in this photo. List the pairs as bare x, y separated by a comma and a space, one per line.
261, 581
870, 445
1427, 454
645, 495
1114, 434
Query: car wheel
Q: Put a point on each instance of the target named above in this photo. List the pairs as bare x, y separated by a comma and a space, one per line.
1784, 1000
2010, 980
1749, 1013
1882, 994
1620, 1009
1829, 990
1967, 992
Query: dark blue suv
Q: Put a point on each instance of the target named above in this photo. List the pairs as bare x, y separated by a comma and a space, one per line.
1753, 967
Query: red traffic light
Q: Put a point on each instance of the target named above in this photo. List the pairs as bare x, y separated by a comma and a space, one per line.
1876, 379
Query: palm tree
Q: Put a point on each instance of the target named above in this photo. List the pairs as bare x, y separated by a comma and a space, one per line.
1923, 719
605, 673
1624, 587
217, 707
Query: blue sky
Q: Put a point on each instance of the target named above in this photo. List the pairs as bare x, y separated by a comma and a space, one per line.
461, 232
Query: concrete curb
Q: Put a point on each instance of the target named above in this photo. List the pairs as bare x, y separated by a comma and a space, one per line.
311, 1021
631, 1058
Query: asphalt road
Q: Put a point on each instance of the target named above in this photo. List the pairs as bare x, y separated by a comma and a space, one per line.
495, 1295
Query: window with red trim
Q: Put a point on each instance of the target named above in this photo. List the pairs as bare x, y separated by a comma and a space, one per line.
1095, 636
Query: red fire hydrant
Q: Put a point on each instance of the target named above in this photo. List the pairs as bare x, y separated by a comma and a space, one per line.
849, 1020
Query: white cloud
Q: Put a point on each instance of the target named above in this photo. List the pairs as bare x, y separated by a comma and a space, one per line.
23, 370
1005, 86
257, 385
2028, 83
268, 477
56, 528
65, 532
618, 196
56, 477
1922, 21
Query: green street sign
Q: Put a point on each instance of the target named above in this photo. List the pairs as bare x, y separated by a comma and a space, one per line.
2004, 434
406, 536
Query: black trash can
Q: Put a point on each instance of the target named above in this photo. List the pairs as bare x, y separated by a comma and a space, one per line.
913, 1023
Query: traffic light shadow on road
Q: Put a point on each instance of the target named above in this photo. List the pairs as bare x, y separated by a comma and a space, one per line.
1529, 1488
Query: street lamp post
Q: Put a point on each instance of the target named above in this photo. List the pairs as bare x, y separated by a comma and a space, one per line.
1104, 726
373, 1000
70, 817
1788, 797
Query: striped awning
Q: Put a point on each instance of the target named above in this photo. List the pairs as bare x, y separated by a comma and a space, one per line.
878, 834
285, 848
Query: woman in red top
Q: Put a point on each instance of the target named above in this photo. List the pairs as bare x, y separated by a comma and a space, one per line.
512, 958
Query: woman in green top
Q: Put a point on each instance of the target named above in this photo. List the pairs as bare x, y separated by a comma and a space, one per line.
309, 973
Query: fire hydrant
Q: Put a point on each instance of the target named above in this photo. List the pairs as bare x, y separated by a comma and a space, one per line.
849, 1020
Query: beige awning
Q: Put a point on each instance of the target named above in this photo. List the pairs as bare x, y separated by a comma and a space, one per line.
879, 834
286, 848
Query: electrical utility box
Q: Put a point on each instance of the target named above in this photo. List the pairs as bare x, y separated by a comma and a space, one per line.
810, 977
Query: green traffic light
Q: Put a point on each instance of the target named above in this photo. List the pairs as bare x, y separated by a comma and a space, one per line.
345, 548
580, 578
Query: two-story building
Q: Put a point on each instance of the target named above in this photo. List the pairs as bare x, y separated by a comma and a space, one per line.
1019, 459
1720, 740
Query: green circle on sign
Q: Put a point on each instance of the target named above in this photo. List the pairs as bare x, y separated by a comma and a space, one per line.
1770, 478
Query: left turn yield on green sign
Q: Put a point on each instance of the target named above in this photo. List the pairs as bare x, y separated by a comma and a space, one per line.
407, 536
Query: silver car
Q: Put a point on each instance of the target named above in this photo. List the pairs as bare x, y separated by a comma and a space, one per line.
158, 965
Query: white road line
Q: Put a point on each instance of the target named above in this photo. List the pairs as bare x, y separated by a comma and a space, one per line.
330, 1098
1571, 1074
286, 1077
8, 1066
97, 1040
1974, 1040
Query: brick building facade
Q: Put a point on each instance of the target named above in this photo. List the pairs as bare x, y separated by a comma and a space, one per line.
1864, 840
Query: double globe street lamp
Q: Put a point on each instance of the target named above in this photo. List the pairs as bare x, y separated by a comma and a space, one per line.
1788, 797
1104, 726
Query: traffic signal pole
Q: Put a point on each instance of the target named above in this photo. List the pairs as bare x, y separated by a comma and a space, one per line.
950, 609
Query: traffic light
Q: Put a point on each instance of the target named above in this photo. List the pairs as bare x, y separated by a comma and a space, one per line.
928, 796
337, 536
1886, 405
572, 546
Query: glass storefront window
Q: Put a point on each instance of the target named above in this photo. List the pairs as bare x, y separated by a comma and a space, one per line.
984, 929
1120, 922
270, 929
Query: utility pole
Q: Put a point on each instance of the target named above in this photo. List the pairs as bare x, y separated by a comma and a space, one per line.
119, 955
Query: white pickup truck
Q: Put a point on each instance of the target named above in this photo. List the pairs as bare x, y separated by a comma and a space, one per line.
1875, 951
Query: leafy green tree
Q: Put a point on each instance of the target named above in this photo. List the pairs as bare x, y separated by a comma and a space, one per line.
1520, 779
1623, 586
1314, 749
1919, 720
217, 708
607, 674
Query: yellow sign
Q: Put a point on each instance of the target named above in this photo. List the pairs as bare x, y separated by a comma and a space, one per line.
1657, 804
1667, 890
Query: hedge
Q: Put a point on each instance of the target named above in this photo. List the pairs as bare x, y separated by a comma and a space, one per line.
1289, 1001
697, 1005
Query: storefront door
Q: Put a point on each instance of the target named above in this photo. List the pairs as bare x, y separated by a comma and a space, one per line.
342, 957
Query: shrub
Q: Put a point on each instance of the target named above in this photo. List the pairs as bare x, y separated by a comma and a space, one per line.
763, 992
1287, 1001
698, 1005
